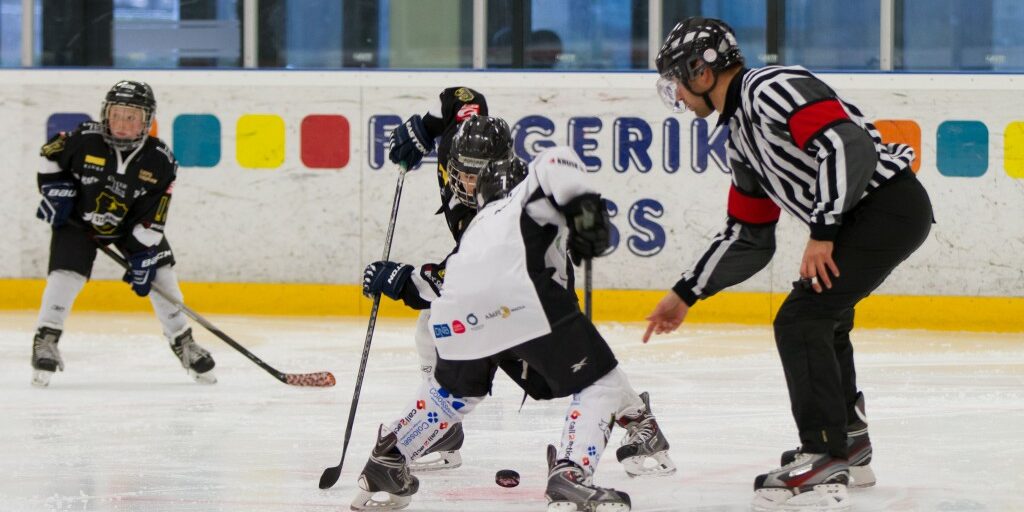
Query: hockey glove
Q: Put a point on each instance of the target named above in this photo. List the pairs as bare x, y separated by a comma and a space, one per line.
142, 271
589, 235
410, 143
387, 277
57, 203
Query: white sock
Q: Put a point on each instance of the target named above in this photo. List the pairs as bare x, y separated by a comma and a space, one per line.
431, 413
62, 287
588, 421
171, 318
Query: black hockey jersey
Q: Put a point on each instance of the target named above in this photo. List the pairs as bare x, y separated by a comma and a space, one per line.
119, 193
455, 104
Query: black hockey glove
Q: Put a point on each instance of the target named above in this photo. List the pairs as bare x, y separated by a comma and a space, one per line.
142, 271
387, 277
57, 203
410, 143
589, 235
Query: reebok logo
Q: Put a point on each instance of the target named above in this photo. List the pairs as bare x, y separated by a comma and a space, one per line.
579, 366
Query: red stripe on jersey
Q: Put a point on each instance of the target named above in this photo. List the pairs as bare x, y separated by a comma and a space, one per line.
750, 209
813, 118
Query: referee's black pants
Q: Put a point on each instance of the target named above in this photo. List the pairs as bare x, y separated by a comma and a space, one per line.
812, 330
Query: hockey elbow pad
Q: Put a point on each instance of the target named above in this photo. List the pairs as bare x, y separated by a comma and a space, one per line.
589, 233
386, 277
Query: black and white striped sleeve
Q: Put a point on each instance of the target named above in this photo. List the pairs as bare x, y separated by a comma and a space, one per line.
820, 125
740, 250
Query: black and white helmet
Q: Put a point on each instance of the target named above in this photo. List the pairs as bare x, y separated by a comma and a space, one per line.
498, 178
479, 140
695, 44
132, 94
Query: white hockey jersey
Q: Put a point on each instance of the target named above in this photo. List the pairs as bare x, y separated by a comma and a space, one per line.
510, 279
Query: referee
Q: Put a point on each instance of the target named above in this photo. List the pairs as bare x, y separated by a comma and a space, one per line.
795, 145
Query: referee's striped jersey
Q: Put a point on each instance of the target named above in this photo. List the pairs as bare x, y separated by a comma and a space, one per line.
793, 144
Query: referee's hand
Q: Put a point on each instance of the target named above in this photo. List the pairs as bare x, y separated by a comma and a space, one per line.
817, 264
667, 315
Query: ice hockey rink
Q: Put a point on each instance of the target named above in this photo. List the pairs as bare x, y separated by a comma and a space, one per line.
125, 429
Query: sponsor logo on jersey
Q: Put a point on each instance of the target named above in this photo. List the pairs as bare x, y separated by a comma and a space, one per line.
442, 331
467, 111
464, 95
458, 327
147, 176
54, 147
117, 187
503, 312
566, 162
89, 180
95, 160
472, 319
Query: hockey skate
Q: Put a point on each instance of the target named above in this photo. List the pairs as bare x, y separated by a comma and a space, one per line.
859, 451
386, 472
812, 482
46, 358
195, 359
569, 490
444, 454
644, 450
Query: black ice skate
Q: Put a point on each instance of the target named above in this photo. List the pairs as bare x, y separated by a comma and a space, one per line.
644, 450
46, 358
386, 472
570, 491
812, 482
195, 359
444, 454
858, 446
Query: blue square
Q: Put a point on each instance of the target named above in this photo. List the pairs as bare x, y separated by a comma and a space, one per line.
197, 140
962, 149
64, 122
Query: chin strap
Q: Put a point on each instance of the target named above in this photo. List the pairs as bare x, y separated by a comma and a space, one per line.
706, 94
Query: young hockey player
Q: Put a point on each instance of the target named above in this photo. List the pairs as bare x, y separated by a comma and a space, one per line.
795, 145
111, 183
507, 302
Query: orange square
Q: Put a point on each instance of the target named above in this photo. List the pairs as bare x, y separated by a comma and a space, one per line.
902, 131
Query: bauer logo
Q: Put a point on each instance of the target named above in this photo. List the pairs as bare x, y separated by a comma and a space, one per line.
442, 331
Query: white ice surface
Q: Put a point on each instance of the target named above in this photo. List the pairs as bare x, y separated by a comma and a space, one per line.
124, 428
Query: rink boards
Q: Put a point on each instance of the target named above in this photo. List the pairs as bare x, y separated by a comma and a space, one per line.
284, 191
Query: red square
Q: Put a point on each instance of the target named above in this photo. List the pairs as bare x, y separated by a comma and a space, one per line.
325, 141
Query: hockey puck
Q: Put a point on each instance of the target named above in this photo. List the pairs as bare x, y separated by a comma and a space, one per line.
506, 478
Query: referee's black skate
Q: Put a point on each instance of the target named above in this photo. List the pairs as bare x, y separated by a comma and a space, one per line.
386, 472
46, 358
569, 490
444, 454
858, 445
644, 450
812, 482
195, 359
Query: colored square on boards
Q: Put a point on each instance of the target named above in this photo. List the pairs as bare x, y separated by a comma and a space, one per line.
324, 141
197, 140
64, 122
902, 131
259, 141
962, 148
1013, 144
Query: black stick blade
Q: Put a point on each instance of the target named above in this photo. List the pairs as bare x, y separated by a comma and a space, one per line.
318, 379
330, 477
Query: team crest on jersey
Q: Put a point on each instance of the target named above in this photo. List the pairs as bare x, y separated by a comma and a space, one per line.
464, 95
108, 214
147, 176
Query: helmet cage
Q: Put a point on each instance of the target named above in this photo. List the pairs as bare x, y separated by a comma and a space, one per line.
464, 171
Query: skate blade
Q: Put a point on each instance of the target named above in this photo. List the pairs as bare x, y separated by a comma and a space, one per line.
657, 464
41, 378
861, 477
364, 501
203, 378
568, 506
444, 460
822, 498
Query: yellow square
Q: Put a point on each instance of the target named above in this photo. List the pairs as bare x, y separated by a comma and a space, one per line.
260, 141
1013, 149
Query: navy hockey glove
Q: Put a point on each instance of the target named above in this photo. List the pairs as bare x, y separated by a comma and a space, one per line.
142, 271
589, 235
387, 277
57, 203
410, 143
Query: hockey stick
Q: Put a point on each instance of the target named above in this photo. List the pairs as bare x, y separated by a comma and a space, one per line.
318, 379
588, 288
330, 475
